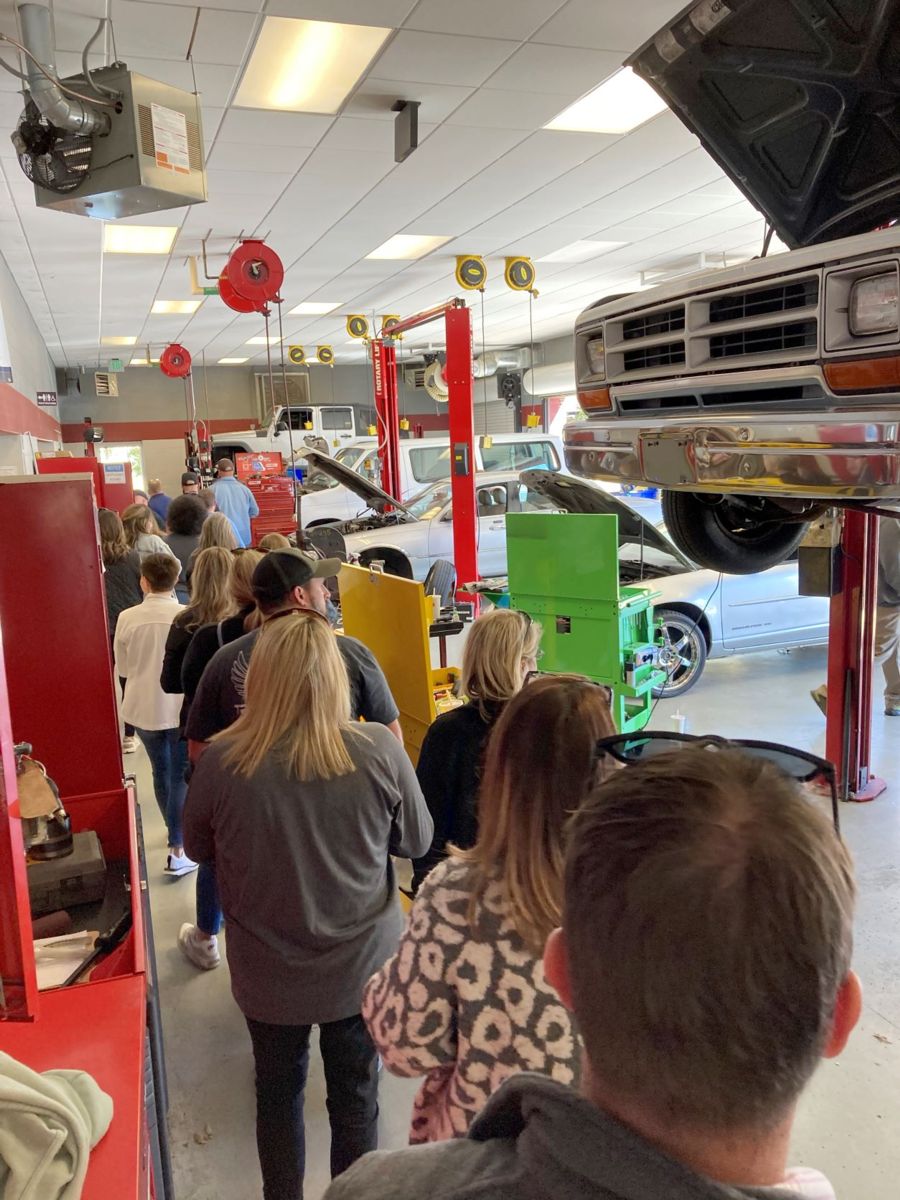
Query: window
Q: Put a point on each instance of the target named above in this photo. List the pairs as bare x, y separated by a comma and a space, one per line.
428, 463
339, 419
532, 501
491, 501
300, 418
520, 456
428, 504
132, 454
370, 468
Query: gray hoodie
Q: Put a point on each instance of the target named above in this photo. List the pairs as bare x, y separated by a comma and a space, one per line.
536, 1140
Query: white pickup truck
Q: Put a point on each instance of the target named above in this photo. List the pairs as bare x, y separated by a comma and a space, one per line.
286, 428
761, 395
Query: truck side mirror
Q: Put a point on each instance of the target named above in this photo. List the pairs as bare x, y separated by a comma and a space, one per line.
281, 427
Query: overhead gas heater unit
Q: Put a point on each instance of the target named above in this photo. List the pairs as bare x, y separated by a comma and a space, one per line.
107, 143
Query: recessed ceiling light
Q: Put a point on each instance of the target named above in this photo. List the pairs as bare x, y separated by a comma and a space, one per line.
314, 308
307, 66
138, 239
618, 105
408, 245
262, 341
162, 307
579, 251
233, 361
118, 341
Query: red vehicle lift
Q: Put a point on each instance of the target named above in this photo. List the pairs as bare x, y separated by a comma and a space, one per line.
458, 373
851, 634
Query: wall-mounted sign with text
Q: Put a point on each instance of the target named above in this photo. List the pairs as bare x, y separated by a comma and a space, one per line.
47, 399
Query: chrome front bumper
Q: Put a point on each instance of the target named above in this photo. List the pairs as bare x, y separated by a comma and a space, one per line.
851, 455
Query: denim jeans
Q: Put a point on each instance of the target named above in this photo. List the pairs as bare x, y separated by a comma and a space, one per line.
209, 910
281, 1053
168, 762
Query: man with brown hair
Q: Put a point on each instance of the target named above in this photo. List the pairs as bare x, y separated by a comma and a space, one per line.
705, 952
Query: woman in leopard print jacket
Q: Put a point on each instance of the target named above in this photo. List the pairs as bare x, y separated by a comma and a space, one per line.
464, 1001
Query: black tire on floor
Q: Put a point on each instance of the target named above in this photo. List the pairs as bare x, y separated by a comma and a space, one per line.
684, 653
725, 534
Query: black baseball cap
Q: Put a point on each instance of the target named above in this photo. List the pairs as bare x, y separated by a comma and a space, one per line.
190, 477
283, 570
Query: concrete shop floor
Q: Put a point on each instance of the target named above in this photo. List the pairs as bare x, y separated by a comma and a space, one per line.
848, 1120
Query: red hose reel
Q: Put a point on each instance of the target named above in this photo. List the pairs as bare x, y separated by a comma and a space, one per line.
175, 361
252, 277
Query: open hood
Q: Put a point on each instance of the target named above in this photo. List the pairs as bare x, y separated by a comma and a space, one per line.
577, 496
374, 497
799, 102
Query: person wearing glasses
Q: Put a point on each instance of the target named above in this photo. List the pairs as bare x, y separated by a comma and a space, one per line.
464, 1000
500, 654
704, 950
301, 809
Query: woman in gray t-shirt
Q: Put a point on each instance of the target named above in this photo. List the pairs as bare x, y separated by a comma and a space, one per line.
301, 809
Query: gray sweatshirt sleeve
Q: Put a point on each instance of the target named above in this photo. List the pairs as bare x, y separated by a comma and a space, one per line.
411, 825
197, 818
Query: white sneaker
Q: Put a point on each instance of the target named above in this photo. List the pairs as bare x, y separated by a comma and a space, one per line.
129, 745
179, 864
202, 951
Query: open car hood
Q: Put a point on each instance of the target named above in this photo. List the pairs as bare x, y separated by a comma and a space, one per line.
374, 497
577, 496
798, 102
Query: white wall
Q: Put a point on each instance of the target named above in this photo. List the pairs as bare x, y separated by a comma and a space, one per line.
33, 370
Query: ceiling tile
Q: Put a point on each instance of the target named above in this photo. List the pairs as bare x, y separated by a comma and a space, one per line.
442, 58
229, 156
609, 26
256, 128
518, 20
560, 70
374, 97
223, 37
386, 13
495, 109
228, 5
147, 30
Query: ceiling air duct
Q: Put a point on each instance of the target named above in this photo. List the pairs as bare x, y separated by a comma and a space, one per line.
555, 379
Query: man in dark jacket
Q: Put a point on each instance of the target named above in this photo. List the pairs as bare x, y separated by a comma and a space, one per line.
887, 615
705, 952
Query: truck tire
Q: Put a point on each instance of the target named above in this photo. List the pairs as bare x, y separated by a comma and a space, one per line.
735, 534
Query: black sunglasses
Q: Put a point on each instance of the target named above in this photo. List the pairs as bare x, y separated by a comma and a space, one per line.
634, 748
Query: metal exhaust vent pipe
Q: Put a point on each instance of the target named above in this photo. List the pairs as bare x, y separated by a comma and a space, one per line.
58, 109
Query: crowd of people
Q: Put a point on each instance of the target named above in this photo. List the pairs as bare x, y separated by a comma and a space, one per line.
614, 981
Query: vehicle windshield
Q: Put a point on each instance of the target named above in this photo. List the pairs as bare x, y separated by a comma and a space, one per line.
348, 456
426, 505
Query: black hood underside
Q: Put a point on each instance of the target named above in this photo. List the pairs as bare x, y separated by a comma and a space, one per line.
797, 100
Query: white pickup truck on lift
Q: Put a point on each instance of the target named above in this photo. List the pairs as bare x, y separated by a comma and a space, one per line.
286, 429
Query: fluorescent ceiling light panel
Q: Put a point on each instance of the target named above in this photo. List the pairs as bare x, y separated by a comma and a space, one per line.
262, 341
314, 308
166, 307
409, 245
618, 105
579, 251
138, 239
142, 362
232, 361
118, 341
307, 66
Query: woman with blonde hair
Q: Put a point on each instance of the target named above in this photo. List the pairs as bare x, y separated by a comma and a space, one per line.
501, 651
217, 531
464, 1001
139, 523
273, 541
211, 601
301, 809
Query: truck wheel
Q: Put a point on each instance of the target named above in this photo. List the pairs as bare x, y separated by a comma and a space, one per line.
683, 655
735, 534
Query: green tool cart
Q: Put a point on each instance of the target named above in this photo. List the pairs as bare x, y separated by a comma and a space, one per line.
564, 572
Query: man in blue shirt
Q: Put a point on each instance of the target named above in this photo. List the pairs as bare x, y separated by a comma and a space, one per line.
159, 502
235, 500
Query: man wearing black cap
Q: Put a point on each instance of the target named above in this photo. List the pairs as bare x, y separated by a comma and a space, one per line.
190, 483
286, 579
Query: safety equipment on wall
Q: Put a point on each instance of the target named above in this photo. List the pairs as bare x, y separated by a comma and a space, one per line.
435, 384
297, 355
232, 299
471, 272
519, 274
325, 355
357, 326
387, 324
255, 272
175, 361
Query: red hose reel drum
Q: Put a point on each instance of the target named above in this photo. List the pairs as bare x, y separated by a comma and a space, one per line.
255, 272
234, 300
175, 361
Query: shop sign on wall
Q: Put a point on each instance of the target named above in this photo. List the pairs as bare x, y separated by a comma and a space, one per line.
114, 473
46, 399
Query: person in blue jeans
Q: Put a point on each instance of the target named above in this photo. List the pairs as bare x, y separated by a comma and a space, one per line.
139, 646
235, 500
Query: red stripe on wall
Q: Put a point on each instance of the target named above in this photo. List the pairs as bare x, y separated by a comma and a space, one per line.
18, 414
151, 431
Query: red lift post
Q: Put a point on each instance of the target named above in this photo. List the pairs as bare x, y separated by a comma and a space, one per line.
458, 373
851, 638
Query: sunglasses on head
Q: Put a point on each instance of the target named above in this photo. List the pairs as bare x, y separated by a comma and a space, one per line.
634, 748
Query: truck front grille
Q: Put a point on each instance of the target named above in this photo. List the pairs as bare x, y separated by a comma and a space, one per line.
740, 306
796, 335
666, 355
670, 320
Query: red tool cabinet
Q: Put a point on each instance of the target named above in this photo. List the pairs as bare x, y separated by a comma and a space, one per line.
57, 692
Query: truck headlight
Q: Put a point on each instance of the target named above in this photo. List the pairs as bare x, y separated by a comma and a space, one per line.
596, 357
874, 305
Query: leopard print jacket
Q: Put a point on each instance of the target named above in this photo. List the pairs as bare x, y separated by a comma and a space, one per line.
466, 1005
